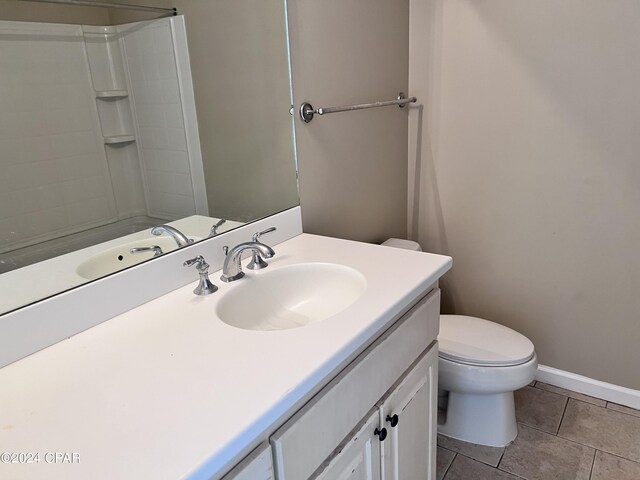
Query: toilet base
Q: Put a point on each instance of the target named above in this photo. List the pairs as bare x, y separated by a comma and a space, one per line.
485, 419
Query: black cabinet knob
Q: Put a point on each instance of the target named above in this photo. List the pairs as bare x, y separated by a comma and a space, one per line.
393, 420
382, 434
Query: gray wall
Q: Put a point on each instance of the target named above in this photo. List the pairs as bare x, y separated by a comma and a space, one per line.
529, 171
353, 165
238, 51
19, 11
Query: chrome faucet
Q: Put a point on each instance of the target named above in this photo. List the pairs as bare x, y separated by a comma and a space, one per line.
157, 251
205, 287
180, 238
232, 270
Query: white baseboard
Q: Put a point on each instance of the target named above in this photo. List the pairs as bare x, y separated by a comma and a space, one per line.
589, 386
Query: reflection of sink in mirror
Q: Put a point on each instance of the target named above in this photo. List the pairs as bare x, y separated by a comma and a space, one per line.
291, 297
120, 257
94, 259
15, 259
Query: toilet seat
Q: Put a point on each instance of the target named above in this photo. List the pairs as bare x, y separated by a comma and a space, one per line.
478, 342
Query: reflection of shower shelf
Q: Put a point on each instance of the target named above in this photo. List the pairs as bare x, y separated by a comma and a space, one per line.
119, 139
107, 94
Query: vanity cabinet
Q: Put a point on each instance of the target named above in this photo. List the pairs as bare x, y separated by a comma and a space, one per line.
256, 466
395, 441
343, 432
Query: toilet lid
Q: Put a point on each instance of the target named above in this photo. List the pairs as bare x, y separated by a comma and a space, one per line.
476, 341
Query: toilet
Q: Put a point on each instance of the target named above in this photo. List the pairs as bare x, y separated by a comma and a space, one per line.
480, 364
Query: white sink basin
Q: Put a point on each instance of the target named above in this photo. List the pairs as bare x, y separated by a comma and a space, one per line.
291, 297
120, 257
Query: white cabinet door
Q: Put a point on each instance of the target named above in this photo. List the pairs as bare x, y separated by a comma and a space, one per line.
358, 457
409, 413
256, 466
308, 438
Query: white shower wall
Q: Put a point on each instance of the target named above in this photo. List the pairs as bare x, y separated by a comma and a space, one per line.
162, 100
56, 175
53, 175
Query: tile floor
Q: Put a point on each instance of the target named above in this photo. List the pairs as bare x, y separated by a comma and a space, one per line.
562, 435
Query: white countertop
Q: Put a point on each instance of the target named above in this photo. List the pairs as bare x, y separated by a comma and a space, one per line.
167, 390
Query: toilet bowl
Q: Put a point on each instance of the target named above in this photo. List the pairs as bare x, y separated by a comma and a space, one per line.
480, 365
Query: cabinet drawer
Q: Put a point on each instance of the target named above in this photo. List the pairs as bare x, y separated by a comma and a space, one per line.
310, 436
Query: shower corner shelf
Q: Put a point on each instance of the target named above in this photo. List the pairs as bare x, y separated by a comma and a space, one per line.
119, 139
109, 94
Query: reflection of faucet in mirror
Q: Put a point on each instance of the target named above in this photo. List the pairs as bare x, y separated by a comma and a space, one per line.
214, 229
180, 238
232, 270
157, 251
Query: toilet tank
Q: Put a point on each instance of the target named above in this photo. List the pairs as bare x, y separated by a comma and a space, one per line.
400, 243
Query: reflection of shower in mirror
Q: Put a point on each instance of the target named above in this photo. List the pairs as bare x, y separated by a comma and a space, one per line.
101, 131
101, 142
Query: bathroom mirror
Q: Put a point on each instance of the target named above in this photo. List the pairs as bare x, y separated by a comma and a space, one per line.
114, 121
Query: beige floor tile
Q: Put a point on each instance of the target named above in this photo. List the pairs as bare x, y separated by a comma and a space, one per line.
602, 428
571, 394
464, 468
489, 455
539, 408
610, 467
623, 409
535, 455
444, 458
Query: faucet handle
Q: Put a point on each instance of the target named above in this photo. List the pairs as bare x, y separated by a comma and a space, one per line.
257, 235
205, 287
157, 251
257, 262
214, 228
199, 262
